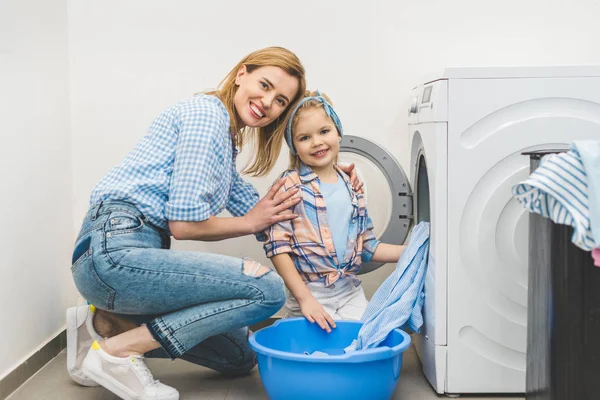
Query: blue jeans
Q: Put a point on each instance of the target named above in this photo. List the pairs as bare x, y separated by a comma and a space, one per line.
196, 305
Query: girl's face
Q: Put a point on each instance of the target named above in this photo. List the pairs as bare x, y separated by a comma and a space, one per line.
316, 139
263, 94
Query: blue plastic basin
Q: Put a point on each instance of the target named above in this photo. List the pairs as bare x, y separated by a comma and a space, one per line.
288, 373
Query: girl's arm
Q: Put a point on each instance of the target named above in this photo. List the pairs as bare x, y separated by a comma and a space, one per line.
387, 253
287, 270
310, 307
266, 212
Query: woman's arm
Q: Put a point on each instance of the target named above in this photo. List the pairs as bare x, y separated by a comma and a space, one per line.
357, 184
387, 253
211, 229
268, 211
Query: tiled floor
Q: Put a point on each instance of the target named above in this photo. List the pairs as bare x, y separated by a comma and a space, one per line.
193, 382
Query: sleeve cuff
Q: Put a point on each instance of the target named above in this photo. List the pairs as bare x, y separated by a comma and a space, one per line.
369, 249
174, 212
275, 248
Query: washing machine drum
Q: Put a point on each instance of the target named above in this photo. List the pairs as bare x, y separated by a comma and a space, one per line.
386, 189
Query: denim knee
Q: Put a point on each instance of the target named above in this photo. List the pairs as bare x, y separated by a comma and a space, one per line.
242, 367
273, 291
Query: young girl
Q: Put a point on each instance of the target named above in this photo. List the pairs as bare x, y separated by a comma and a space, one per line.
319, 253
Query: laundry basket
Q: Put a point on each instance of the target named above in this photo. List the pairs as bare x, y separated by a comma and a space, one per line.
563, 322
289, 371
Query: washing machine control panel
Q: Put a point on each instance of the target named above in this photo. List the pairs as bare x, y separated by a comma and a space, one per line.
429, 103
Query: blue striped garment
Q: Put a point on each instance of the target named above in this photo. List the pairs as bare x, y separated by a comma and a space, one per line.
399, 300
183, 169
558, 190
589, 151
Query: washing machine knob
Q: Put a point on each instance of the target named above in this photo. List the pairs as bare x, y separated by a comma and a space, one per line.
414, 105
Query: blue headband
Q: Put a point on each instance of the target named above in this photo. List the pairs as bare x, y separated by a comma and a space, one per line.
328, 110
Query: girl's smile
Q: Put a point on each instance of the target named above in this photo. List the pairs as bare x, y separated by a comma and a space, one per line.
316, 140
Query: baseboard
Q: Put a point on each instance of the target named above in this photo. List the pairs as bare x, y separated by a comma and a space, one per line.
32, 365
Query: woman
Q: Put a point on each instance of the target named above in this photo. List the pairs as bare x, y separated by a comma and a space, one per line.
181, 175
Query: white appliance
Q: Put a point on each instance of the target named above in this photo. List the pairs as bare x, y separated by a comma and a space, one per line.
467, 130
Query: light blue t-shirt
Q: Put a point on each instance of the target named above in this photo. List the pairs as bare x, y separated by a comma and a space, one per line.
339, 212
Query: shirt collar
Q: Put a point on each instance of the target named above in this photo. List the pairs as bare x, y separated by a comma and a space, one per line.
306, 173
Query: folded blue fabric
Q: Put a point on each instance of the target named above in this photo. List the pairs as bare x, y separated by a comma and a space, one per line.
559, 189
399, 300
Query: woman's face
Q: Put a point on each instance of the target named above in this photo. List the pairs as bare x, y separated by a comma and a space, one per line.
263, 95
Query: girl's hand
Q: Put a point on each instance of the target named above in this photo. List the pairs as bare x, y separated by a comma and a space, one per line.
270, 209
351, 172
314, 312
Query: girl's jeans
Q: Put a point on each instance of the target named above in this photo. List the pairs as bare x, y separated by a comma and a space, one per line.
196, 305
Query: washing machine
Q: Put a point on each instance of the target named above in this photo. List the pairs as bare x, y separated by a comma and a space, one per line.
467, 130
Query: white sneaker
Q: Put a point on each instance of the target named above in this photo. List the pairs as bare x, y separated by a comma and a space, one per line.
127, 377
80, 336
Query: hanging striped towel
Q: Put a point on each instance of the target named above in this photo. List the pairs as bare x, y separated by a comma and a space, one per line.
589, 151
399, 300
558, 190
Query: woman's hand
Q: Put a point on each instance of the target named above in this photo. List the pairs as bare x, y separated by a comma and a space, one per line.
351, 172
314, 312
270, 209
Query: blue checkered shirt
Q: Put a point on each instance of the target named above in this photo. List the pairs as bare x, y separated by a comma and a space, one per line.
183, 169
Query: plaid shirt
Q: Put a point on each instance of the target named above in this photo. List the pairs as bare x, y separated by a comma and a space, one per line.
308, 238
183, 169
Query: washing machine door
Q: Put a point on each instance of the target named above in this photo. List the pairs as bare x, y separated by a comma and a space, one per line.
386, 189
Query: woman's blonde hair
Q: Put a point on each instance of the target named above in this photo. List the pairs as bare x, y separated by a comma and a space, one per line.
268, 138
294, 159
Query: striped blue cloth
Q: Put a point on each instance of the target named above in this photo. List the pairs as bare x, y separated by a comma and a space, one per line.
589, 151
399, 300
183, 169
558, 189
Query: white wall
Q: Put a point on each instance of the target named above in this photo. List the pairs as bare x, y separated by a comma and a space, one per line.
130, 59
35, 171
